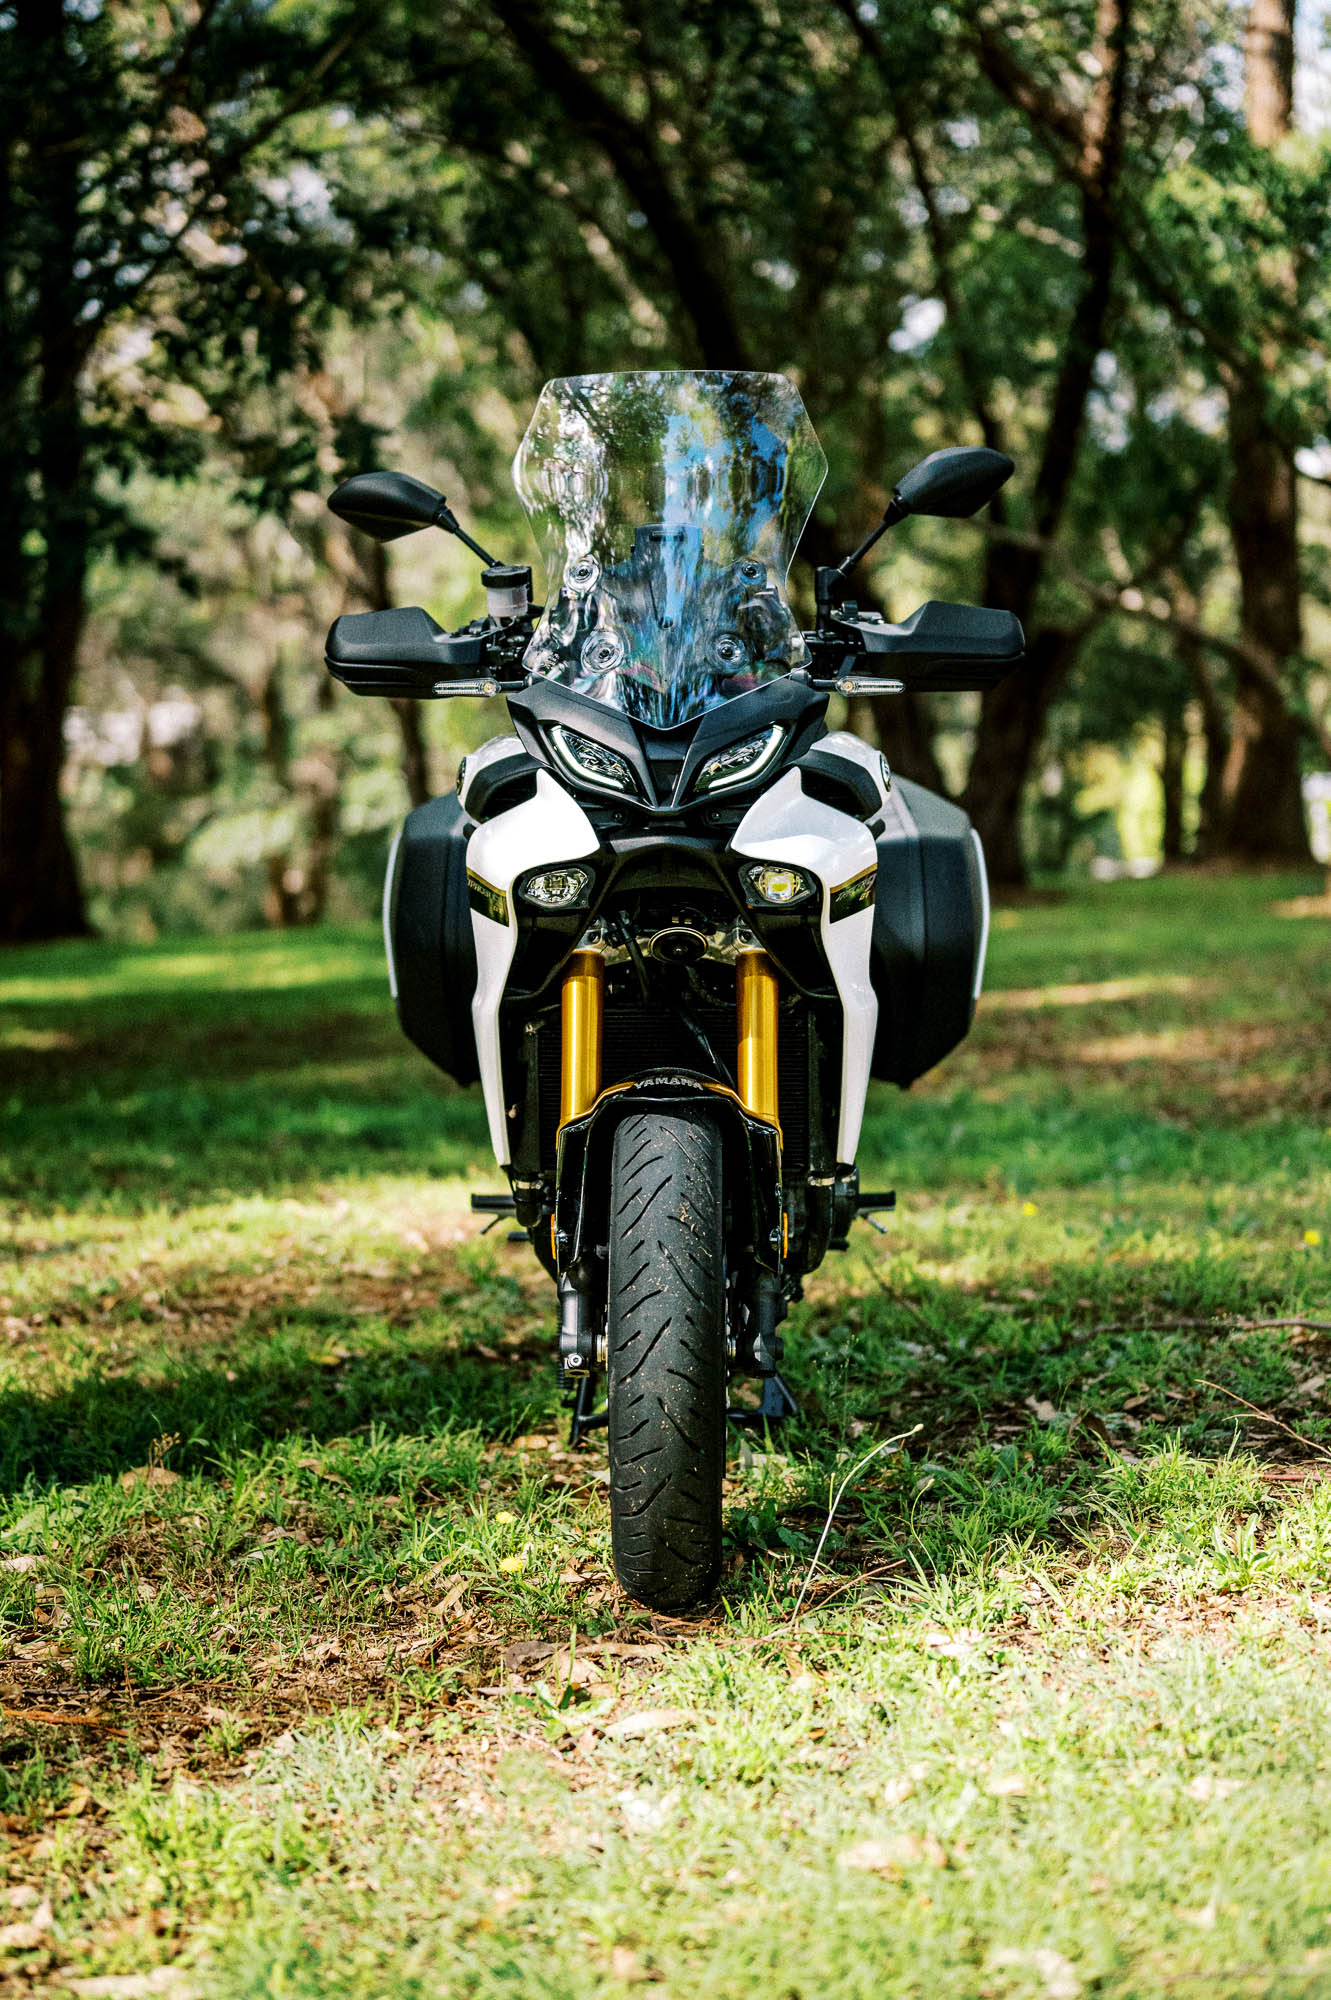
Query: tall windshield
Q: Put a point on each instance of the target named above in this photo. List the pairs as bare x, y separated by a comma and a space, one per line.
667, 509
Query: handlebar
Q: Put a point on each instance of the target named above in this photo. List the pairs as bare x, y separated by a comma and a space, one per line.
947, 647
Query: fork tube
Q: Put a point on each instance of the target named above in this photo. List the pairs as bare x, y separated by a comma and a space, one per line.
581, 1013
756, 994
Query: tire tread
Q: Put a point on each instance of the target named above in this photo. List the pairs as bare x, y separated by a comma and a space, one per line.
666, 1357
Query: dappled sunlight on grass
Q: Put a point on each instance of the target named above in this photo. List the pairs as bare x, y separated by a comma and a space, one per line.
315, 1677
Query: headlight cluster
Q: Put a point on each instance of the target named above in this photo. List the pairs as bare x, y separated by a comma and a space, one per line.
739, 762
592, 762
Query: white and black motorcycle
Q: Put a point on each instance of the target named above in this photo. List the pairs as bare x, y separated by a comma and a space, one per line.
671, 922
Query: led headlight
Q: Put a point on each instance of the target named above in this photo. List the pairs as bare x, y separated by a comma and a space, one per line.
740, 762
591, 763
769, 882
556, 888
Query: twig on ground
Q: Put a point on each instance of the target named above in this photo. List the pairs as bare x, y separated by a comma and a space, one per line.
1215, 1325
887, 1444
1310, 1444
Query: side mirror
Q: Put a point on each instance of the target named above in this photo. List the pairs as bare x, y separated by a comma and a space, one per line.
388, 504
951, 485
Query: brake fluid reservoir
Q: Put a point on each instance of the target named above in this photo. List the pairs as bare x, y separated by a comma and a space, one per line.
507, 590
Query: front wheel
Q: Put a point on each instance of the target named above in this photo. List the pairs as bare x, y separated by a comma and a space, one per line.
666, 1357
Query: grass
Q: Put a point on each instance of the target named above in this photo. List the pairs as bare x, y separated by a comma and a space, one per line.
313, 1676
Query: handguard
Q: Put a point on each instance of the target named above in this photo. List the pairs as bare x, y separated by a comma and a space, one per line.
941, 647
404, 652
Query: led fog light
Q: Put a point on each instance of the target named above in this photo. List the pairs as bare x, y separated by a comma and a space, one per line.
769, 883
556, 888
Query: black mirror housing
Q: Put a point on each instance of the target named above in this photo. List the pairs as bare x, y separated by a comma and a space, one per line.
388, 504
951, 485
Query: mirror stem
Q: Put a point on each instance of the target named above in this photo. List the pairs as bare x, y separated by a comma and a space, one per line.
446, 519
895, 512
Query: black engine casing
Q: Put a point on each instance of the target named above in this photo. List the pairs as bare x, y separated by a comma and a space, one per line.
929, 916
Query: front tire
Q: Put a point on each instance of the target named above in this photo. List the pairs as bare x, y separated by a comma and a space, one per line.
666, 1357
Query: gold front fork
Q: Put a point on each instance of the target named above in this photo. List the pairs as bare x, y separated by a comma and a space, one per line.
582, 1012
756, 993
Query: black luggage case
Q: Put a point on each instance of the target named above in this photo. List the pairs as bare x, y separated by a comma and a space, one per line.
428, 936
931, 908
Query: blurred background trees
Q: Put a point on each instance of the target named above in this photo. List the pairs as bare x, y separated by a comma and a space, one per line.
249, 248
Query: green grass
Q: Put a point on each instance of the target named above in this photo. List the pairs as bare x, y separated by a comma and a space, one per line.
313, 1676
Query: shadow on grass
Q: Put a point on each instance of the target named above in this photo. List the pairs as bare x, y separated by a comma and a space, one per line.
102, 1427
971, 1372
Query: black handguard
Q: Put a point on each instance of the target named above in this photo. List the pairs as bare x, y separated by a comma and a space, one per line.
404, 652
941, 647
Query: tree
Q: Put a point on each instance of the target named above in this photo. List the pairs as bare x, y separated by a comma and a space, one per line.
1261, 787
178, 221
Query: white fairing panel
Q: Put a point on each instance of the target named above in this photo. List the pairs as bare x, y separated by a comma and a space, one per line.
489, 753
984, 915
549, 828
389, 873
786, 825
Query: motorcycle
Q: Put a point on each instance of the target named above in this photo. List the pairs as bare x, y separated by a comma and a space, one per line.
671, 922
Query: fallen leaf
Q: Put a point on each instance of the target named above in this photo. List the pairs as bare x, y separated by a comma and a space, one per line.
647, 1721
1060, 1976
151, 1475
79, 1800
27, 1935
169, 1979
1044, 1412
884, 1856
331, 1357
1205, 1788
19, 1565
1012, 1786
645, 1813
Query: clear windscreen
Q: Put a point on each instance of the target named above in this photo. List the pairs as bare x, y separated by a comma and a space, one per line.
667, 509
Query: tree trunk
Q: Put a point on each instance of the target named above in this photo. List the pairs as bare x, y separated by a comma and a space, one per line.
415, 750
1171, 785
1263, 818
1012, 715
40, 892
1012, 718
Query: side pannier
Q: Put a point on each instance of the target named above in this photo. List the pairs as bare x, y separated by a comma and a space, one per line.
930, 930
428, 936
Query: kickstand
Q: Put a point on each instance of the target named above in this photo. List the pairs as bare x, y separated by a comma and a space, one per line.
584, 1417
776, 1407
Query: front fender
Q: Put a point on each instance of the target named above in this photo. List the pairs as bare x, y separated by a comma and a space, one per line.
752, 1165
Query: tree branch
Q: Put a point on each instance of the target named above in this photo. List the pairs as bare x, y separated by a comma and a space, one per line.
1132, 601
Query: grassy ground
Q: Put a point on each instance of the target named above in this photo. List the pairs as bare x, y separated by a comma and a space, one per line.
313, 1677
